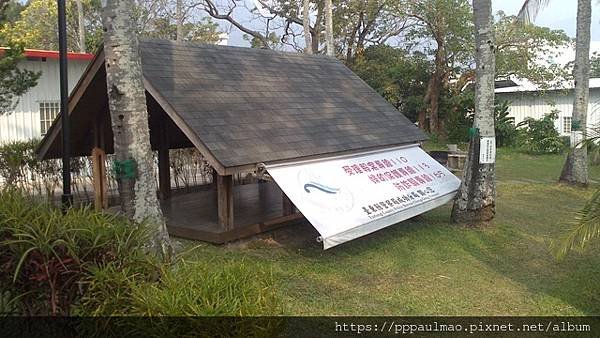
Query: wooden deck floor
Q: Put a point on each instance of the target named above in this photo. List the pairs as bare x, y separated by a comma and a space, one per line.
257, 208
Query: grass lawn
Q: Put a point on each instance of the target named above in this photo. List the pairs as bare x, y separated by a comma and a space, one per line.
430, 266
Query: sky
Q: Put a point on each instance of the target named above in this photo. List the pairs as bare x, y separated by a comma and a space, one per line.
559, 14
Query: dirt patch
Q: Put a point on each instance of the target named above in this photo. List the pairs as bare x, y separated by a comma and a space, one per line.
296, 235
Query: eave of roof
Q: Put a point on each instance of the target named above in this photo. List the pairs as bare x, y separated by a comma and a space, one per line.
530, 87
52, 54
374, 111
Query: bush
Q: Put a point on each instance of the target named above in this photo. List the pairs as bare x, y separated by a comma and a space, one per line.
540, 136
89, 263
45, 255
185, 289
458, 121
504, 125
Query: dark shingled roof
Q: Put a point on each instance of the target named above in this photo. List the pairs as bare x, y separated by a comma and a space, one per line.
244, 106
252, 105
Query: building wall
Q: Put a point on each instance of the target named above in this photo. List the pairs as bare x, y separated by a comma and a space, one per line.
23, 123
536, 105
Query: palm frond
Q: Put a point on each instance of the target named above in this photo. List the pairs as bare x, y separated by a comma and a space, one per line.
587, 227
530, 10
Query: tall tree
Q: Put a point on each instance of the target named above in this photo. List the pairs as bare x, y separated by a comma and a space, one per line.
179, 17
575, 169
447, 27
306, 26
81, 26
329, 28
129, 116
475, 201
36, 27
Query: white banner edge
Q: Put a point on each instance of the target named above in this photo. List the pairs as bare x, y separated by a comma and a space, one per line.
365, 229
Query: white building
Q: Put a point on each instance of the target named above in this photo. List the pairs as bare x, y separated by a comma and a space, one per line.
37, 108
528, 100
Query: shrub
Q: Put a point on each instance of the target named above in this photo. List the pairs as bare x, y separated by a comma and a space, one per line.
45, 255
458, 122
540, 136
184, 289
95, 264
504, 125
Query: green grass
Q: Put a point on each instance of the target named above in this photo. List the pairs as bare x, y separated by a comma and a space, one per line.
430, 266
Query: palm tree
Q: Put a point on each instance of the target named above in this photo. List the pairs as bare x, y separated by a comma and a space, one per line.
129, 116
575, 169
475, 202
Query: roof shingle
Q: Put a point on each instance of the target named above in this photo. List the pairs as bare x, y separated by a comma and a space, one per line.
250, 105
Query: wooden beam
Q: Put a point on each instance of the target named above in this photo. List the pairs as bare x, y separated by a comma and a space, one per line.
215, 174
164, 170
225, 201
187, 131
84, 82
99, 179
287, 207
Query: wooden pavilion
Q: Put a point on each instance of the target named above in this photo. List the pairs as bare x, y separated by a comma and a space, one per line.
241, 108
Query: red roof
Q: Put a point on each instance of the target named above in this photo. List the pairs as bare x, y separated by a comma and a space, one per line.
52, 54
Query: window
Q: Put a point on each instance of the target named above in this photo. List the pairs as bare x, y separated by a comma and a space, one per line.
48, 112
566, 127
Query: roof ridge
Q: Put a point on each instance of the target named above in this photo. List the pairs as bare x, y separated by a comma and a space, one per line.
243, 49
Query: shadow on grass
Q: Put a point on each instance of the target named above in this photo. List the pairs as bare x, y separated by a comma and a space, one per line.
520, 253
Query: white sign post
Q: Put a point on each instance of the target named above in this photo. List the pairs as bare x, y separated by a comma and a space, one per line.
351, 196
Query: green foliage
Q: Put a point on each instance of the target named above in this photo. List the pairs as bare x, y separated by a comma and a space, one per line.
14, 82
540, 136
587, 228
90, 263
444, 25
399, 77
529, 51
504, 125
459, 112
10, 10
273, 40
20, 169
36, 27
186, 289
45, 255
595, 65
205, 30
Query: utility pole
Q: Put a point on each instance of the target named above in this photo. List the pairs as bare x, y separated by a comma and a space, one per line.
67, 197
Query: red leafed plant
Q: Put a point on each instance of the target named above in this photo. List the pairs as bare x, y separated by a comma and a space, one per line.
46, 255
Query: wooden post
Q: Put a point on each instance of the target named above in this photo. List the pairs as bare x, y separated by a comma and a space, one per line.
225, 201
214, 179
99, 175
286, 205
164, 170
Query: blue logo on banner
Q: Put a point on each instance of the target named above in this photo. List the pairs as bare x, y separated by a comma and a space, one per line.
321, 187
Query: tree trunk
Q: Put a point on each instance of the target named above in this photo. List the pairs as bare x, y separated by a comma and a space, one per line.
306, 26
329, 28
575, 169
129, 116
179, 15
435, 91
80, 23
475, 201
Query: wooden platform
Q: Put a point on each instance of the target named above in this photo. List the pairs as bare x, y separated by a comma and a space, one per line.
257, 208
